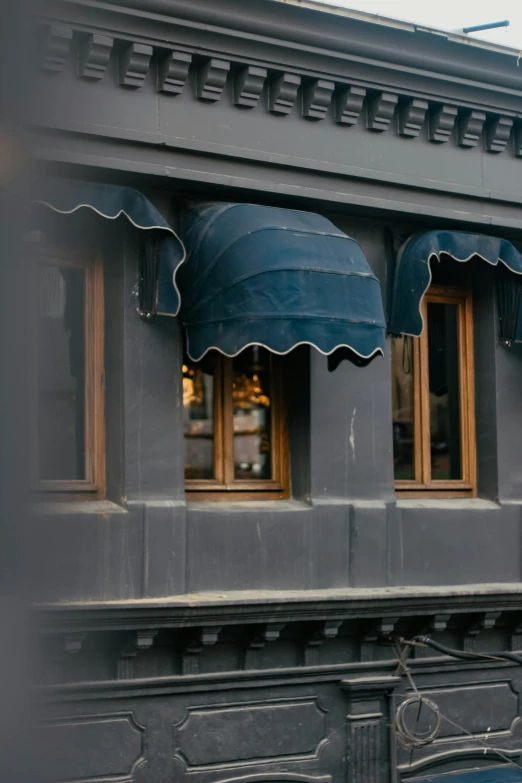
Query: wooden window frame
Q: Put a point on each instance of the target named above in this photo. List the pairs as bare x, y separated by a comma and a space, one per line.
225, 486
93, 487
424, 486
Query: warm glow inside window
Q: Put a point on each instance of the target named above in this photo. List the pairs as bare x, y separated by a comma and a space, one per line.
234, 425
433, 399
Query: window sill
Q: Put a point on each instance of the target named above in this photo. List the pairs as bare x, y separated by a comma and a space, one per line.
477, 504
228, 505
76, 507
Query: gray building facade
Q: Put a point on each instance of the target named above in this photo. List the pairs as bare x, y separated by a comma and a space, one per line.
188, 638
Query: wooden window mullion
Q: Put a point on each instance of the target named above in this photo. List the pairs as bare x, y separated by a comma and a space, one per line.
218, 425
423, 485
93, 486
469, 401
98, 329
89, 380
94, 376
225, 485
228, 424
423, 446
467, 392
275, 423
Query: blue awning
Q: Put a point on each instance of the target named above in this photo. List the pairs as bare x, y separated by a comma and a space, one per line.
412, 275
163, 251
279, 278
501, 774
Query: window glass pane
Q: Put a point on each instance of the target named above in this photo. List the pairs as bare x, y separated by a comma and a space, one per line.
61, 373
443, 363
251, 401
402, 401
198, 420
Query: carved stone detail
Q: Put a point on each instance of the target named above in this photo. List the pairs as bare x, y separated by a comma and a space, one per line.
144, 639
211, 79
348, 105
56, 47
498, 132
316, 98
134, 64
141, 640
248, 85
204, 637
439, 623
441, 123
173, 70
73, 642
381, 108
272, 631
436, 624
516, 638
105, 746
326, 630
470, 124
283, 92
379, 628
364, 751
209, 635
249, 80
483, 622
517, 139
412, 114
125, 666
95, 53
367, 729
190, 658
290, 731
267, 633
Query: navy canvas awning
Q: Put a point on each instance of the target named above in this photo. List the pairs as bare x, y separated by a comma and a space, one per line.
506, 773
412, 275
164, 252
276, 278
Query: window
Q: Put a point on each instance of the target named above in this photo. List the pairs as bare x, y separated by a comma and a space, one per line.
235, 427
68, 365
433, 400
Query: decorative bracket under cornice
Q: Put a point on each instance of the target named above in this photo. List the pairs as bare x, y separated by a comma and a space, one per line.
141, 640
266, 633
321, 98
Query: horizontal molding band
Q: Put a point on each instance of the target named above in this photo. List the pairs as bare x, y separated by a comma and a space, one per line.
278, 160
161, 167
260, 678
233, 608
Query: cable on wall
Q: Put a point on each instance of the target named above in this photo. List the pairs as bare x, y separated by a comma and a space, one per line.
409, 736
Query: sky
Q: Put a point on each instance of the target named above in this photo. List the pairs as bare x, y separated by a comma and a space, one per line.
450, 15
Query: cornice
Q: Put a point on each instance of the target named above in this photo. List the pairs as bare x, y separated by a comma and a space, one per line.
307, 38
234, 608
402, 24
193, 625
378, 100
260, 678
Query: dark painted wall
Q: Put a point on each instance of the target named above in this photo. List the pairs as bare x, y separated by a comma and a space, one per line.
343, 526
291, 707
293, 679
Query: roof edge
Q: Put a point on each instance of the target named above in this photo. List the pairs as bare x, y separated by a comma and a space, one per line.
403, 25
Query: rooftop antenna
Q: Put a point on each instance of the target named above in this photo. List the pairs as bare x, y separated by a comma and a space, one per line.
477, 28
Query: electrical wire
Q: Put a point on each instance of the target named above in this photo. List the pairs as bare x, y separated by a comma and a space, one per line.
466, 656
411, 739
